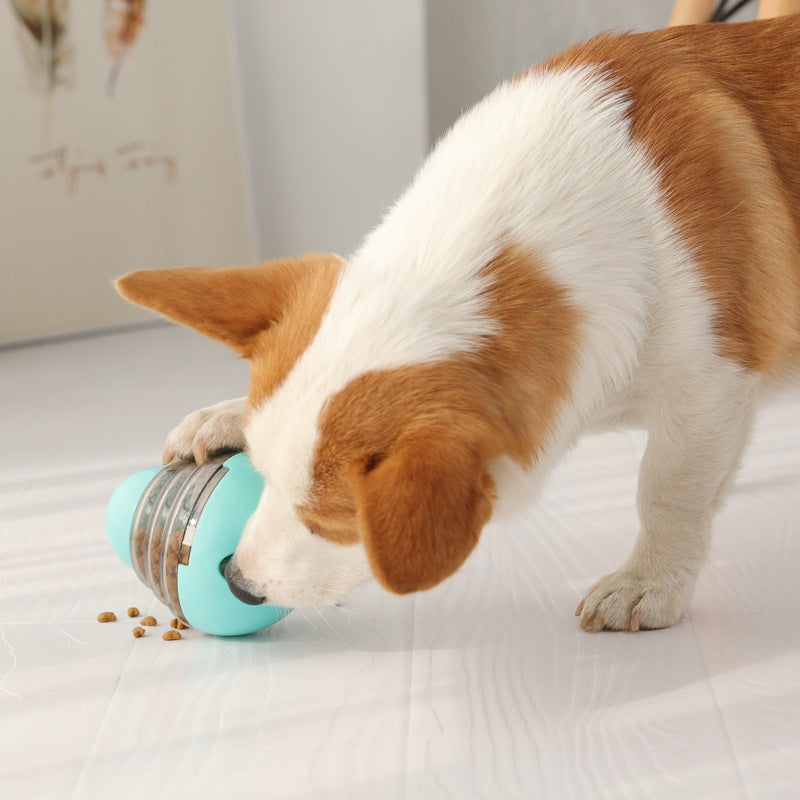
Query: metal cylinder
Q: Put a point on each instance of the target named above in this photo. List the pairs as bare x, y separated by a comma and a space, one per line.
163, 527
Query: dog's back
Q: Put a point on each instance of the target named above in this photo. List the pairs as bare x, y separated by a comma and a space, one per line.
717, 109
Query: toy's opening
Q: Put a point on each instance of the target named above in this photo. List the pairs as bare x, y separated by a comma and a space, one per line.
224, 563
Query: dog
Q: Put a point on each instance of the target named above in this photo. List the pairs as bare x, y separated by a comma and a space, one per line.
612, 238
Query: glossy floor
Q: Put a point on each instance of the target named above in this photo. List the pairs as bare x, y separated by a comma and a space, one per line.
484, 687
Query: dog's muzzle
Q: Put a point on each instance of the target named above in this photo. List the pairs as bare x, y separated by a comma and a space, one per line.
236, 584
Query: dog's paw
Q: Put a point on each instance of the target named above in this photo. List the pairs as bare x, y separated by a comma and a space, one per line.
627, 601
206, 432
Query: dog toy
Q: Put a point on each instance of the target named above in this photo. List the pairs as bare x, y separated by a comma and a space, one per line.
177, 528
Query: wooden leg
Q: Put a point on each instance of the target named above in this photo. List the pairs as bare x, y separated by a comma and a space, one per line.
691, 12
777, 8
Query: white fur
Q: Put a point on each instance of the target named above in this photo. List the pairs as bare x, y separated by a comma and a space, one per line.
295, 567
545, 162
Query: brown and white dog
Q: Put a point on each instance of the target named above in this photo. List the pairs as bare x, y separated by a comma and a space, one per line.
612, 238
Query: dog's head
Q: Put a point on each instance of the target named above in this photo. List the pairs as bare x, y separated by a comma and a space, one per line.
385, 471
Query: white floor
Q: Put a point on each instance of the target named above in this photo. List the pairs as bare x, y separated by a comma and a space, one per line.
484, 687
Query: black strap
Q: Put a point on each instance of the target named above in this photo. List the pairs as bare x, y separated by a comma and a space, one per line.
721, 14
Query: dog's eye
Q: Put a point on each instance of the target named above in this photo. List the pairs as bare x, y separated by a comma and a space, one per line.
315, 528
374, 461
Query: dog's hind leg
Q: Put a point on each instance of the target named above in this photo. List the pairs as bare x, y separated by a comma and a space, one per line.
696, 438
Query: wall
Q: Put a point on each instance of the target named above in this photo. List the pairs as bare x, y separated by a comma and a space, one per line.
336, 119
94, 183
473, 44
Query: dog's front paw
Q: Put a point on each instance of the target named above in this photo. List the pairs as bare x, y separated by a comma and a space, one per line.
207, 431
629, 601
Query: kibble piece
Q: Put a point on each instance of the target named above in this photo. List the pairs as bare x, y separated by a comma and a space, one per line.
133, 611
107, 616
174, 623
149, 621
138, 631
171, 635
181, 626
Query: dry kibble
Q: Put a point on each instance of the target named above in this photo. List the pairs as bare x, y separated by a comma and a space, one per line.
176, 623
107, 616
138, 631
171, 635
149, 621
133, 611
138, 551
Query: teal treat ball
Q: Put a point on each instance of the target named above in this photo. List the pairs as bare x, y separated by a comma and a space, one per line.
177, 528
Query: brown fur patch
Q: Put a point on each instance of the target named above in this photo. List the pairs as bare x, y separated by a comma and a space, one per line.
397, 441
717, 109
241, 306
274, 351
269, 312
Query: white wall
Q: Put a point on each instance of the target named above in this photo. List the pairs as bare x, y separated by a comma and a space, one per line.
474, 44
92, 185
335, 112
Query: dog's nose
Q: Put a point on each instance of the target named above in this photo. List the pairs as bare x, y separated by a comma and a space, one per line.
235, 581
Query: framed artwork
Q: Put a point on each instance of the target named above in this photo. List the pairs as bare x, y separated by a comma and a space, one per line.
121, 149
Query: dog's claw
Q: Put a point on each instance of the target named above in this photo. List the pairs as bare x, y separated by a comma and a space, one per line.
625, 601
205, 432
593, 622
579, 609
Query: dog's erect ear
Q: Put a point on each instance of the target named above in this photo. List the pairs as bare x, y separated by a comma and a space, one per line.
421, 509
231, 304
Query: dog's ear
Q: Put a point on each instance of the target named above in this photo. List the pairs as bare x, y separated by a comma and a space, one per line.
231, 304
421, 508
